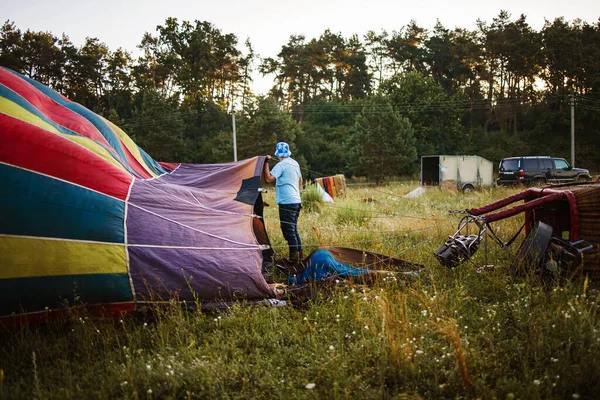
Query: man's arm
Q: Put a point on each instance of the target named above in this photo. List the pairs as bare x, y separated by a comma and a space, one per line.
266, 173
300, 184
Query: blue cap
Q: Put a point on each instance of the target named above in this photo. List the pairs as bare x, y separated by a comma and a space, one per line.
282, 149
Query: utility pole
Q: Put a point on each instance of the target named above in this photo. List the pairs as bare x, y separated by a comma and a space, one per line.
572, 104
233, 125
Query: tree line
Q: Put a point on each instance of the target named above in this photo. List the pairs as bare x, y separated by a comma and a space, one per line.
368, 106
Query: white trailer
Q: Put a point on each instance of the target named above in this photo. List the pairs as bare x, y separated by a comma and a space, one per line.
461, 172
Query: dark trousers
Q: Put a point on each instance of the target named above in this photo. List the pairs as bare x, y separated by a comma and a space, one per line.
288, 217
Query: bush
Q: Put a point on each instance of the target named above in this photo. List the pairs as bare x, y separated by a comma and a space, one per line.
311, 198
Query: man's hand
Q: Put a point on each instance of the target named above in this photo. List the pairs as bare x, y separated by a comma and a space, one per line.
268, 157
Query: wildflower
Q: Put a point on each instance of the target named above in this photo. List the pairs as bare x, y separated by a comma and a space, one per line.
575, 395
310, 386
354, 332
149, 391
537, 382
148, 367
331, 348
366, 326
419, 352
124, 383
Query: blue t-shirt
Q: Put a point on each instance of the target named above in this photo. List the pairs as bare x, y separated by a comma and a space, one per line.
287, 187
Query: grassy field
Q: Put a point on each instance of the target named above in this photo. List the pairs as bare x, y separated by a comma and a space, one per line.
450, 334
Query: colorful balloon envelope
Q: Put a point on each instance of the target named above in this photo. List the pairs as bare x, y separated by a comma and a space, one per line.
87, 218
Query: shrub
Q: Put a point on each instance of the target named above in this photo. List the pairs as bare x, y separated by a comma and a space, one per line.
311, 198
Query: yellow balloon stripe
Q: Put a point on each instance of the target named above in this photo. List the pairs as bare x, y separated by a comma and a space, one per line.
26, 257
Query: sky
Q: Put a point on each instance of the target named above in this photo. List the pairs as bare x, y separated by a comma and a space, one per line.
269, 23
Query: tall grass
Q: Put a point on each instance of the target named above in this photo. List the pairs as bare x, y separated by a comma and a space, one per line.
450, 334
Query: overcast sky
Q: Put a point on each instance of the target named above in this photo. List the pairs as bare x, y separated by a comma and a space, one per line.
269, 23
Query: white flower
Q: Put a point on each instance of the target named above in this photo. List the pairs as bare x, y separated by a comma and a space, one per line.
537, 382
419, 352
331, 347
149, 391
310, 386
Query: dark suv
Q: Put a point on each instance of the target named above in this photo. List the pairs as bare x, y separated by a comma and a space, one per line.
538, 170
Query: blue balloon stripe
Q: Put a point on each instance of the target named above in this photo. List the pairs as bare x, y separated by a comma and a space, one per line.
20, 295
36, 205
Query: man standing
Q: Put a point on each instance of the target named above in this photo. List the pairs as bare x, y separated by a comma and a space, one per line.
286, 174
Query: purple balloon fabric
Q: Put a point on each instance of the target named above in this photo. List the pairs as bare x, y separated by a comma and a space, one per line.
187, 236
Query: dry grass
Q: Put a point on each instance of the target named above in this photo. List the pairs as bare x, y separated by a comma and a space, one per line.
450, 334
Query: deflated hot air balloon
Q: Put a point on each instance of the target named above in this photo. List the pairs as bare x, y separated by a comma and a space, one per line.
87, 217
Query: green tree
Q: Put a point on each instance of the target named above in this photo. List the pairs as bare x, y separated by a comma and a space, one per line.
263, 127
382, 142
406, 49
324, 134
434, 115
328, 67
41, 57
157, 127
11, 47
377, 53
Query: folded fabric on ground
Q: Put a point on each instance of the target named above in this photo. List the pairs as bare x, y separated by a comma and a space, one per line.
334, 185
321, 264
324, 195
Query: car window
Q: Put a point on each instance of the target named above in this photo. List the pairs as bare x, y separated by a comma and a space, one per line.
529, 164
546, 164
560, 164
511, 164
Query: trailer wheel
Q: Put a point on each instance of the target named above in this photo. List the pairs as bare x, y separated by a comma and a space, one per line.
468, 188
